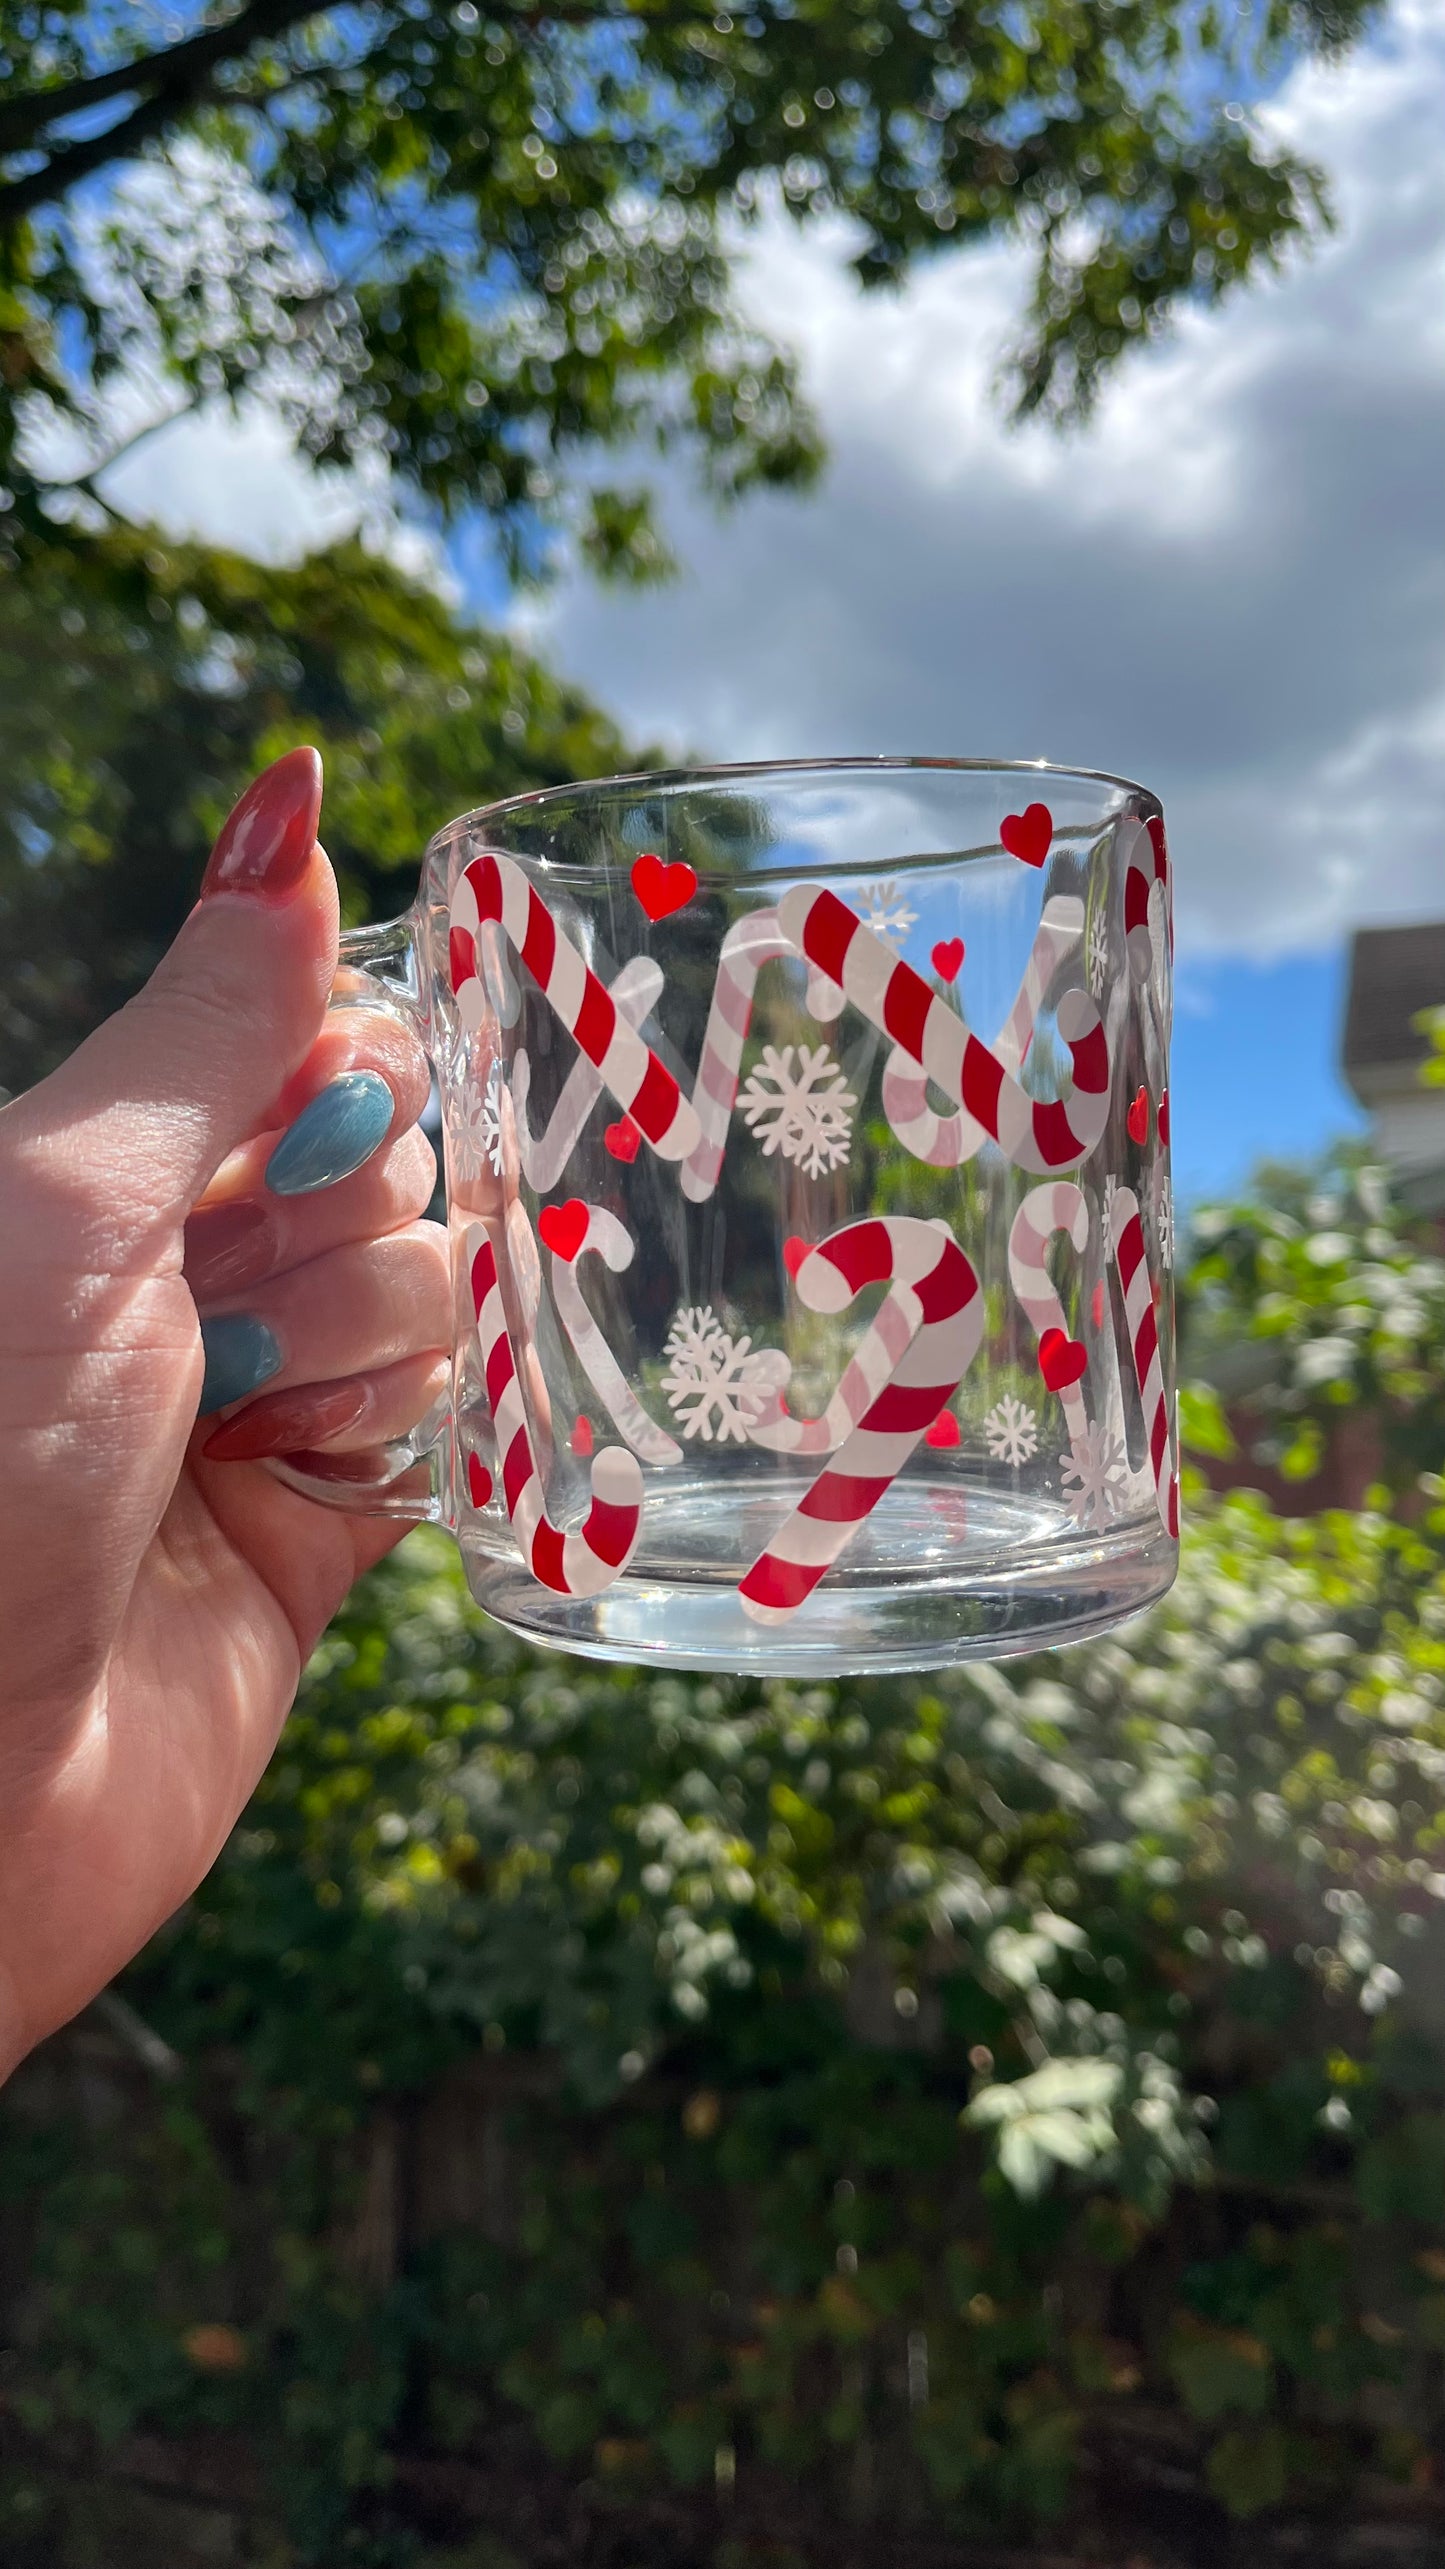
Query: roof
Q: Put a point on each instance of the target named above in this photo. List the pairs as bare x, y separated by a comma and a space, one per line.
1394, 973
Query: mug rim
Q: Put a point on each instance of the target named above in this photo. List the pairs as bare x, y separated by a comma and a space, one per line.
726, 773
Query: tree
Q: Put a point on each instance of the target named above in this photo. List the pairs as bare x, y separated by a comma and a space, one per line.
140, 685
483, 243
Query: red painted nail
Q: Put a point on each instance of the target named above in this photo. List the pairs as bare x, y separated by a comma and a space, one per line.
228, 1245
265, 846
304, 1417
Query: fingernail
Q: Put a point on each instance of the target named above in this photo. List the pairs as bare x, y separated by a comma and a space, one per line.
241, 1354
286, 1421
333, 1135
265, 845
228, 1245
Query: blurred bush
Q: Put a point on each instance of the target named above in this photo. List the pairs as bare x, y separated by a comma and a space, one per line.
912, 2104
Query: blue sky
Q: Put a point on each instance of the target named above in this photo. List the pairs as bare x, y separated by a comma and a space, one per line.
1254, 1067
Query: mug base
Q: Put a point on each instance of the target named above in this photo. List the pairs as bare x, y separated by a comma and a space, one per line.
946, 1570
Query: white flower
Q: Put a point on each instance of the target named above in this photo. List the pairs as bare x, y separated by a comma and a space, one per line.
1011, 1432
715, 1383
1094, 1476
1098, 952
882, 907
804, 1113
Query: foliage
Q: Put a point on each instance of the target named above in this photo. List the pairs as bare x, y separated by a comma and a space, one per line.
480, 245
142, 685
1319, 1294
819, 2030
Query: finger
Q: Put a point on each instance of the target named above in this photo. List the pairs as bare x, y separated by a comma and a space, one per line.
240, 1237
349, 1416
144, 1112
353, 1311
363, 1059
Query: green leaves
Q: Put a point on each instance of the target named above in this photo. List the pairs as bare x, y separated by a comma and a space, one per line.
1321, 1294
487, 249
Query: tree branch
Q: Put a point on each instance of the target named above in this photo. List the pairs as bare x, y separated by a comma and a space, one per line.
175, 81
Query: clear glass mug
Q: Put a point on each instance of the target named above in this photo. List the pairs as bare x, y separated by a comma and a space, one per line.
807, 1161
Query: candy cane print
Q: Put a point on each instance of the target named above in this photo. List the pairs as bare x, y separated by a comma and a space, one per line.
574, 1565
606, 1235
495, 887
634, 993
501, 989
1044, 1211
1129, 1257
1146, 864
886, 1339
943, 1141
896, 999
745, 949
939, 1291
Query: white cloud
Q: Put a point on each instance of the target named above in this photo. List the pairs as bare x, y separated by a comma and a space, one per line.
1231, 586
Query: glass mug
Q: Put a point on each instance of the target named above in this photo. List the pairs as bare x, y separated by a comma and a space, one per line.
806, 1137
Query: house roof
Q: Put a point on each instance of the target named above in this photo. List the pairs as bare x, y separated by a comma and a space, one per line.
1394, 972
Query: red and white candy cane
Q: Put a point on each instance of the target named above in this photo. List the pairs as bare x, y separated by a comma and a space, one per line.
574, 1565
886, 1339
613, 1244
939, 1292
1146, 862
1034, 1134
944, 1141
1044, 1211
1132, 1262
745, 949
495, 887
634, 993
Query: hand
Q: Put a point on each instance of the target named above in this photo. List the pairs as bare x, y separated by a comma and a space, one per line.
218, 1192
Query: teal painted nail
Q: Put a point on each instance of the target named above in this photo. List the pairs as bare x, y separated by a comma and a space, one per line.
333, 1135
241, 1354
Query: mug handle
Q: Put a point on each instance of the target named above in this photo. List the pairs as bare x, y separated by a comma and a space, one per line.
414, 1478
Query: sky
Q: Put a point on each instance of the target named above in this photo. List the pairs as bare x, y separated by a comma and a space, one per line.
1231, 585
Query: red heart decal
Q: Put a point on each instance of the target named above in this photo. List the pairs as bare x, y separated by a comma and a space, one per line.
945, 1430
623, 1140
1160, 845
1027, 834
580, 1439
1096, 1307
1061, 1360
1137, 1118
564, 1226
1164, 1118
662, 888
948, 958
479, 1481
794, 1252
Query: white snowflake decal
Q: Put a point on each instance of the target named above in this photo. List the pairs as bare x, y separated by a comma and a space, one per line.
1011, 1432
1098, 952
1111, 1189
1164, 1222
476, 1126
804, 1113
1094, 1476
882, 907
492, 1119
715, 1383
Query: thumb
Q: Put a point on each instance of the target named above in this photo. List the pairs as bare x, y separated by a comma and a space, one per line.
160, 1094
